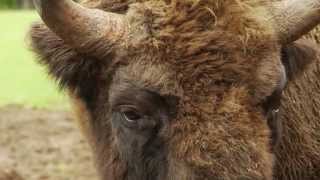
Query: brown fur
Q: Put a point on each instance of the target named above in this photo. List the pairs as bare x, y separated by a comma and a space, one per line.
83, 116
298, 154
221, 59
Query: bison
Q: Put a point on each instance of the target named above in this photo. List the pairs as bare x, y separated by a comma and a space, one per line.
189, 89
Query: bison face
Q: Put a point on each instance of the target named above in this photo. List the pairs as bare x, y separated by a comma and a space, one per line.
191, 125
172, 90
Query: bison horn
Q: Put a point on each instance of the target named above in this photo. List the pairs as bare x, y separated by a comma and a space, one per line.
295, 18
80, 27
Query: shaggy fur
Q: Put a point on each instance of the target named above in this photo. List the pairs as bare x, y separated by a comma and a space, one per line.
212, 64
297, 156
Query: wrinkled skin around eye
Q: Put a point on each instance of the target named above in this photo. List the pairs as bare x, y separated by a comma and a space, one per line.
139, 122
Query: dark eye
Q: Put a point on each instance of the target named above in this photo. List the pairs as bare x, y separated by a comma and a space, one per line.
130, 114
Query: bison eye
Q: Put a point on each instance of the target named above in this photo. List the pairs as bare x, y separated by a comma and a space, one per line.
130, 114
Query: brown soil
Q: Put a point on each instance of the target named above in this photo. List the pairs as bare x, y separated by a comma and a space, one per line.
44, 145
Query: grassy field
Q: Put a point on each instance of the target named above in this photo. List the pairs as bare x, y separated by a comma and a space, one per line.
22, 80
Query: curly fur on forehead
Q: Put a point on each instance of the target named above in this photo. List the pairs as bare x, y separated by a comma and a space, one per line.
172, 19
203, 40
122, 5
206, 41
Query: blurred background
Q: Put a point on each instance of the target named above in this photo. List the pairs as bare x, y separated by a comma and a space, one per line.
22, 80
38, 138
21, 4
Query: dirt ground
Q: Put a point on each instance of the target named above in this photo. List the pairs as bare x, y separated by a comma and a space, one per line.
44, 144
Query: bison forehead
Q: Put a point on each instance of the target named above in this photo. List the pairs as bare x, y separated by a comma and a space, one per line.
123, 5
202, 47
181, 21
211, 39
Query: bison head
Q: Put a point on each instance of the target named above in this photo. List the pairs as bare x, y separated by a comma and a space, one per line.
173, 89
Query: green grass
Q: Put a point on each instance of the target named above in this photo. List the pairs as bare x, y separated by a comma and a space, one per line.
22, 80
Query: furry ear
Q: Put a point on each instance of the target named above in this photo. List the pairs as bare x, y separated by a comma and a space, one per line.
298, 55
67, 66
71, 69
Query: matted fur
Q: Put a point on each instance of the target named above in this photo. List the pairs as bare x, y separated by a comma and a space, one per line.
297, 156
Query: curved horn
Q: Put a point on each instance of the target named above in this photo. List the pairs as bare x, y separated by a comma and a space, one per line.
83, 28
295, 18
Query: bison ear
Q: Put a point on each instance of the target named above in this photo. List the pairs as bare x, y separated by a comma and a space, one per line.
71, 69
298, 55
